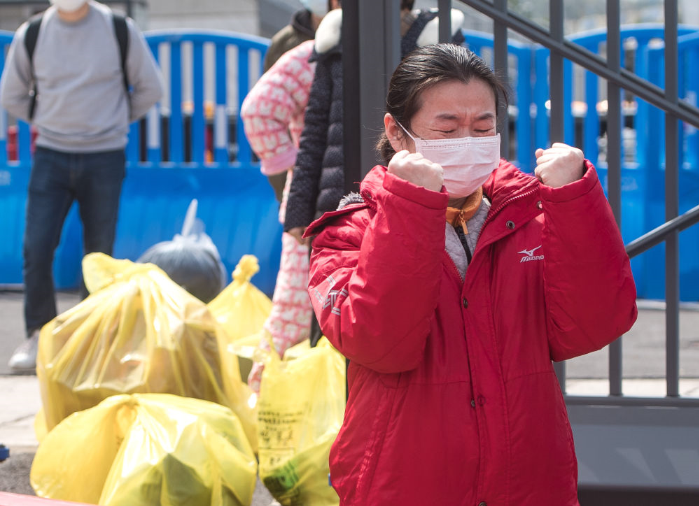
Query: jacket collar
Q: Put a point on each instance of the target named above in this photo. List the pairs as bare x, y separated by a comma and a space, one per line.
507, 182
329, 33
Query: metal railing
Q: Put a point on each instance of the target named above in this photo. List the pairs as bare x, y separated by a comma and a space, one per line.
667, 100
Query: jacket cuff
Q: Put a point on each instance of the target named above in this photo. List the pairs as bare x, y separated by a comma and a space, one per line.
409, 191
572, 190
279, 163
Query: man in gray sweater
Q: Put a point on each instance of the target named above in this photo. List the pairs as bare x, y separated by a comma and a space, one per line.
82, 113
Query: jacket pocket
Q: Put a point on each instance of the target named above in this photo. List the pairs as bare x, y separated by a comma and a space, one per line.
374, 449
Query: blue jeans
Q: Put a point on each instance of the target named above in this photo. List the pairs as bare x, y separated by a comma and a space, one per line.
57, 179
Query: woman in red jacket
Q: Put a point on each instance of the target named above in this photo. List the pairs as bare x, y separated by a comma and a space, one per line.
451, 283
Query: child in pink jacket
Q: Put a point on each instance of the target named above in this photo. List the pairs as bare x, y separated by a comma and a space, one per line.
272, 116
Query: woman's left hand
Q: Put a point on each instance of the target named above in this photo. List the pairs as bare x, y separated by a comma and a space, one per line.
559, 165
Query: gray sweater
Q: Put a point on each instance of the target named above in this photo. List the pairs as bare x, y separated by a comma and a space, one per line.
81, 102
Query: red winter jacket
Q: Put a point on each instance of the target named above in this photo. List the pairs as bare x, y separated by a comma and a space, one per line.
453, 398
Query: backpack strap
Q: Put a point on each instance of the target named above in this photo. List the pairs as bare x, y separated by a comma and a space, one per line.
121, 30
30, 38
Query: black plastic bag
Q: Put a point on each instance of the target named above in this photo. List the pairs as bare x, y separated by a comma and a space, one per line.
191, 259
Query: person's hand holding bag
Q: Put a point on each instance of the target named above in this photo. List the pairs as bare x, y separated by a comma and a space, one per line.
417, 169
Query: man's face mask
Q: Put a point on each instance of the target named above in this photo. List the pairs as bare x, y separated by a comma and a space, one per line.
467, 161
68, 5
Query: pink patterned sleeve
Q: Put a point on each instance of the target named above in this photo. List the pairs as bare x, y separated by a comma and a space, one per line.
273, 111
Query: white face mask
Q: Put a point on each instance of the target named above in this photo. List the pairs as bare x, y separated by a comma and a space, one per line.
467, 161
68, 5
317, 7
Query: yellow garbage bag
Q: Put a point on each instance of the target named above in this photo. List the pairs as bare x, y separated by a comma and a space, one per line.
300, 412
241, 310
147, 450
138, 332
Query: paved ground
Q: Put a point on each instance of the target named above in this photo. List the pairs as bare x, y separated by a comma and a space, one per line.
644, 363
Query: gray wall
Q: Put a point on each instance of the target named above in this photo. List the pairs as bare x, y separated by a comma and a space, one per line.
233, 15
275, 14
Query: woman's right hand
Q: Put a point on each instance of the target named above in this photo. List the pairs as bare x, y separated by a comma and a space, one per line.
297, 233
417, 169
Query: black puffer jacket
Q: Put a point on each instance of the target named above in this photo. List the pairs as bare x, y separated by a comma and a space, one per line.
318, 183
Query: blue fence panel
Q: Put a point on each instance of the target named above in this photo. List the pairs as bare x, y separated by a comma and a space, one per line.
642, 181
4, 40
198, 125
592, 123
524, 125
153, 123
174, 155
176, 146
654, 168
220, 120
542, 94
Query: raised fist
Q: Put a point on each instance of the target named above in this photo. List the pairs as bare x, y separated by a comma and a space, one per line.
417, 169
559, 165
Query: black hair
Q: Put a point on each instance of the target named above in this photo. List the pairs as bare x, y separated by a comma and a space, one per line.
426, 67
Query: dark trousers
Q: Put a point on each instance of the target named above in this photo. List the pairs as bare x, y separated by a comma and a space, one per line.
316, 332
57, 179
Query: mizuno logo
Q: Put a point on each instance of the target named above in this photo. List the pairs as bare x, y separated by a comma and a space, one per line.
529, 255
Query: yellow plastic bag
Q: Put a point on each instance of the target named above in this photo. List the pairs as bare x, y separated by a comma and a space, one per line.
301, 407
138, 332
241, 310
146, 450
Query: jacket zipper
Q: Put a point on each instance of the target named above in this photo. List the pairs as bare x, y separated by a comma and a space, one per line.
507, 202
369, 199
455, 269
492, 215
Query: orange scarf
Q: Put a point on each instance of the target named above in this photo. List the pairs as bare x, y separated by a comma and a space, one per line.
458, 217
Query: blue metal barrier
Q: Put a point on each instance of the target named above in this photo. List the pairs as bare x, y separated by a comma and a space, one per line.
654, 167
643, 183
175, 154
206, 152
637, 190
